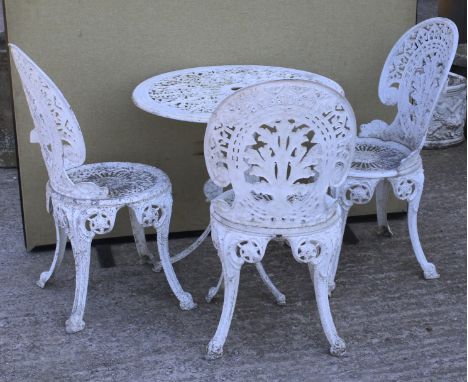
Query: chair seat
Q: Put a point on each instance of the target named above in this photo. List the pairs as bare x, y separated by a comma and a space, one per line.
126, 182
374, 157
235, 218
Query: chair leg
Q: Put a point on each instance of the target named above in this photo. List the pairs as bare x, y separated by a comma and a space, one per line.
279, 297
82, 254
58, 257
231, 273
319, 252
429, 269
140, 240
381, 199
185, 298
337, 345
335, 261
410, 188
213, 291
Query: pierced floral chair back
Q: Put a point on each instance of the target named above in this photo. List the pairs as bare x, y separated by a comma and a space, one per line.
56, 128
281, 145
414, 75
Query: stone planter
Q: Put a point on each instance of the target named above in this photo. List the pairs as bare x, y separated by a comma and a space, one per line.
448, 122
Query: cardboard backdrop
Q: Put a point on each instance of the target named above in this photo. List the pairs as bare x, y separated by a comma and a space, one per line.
97, 51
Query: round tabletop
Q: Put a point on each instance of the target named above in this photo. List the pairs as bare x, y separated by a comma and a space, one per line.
193, 94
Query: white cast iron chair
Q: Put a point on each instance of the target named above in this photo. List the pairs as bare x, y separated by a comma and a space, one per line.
282, 146
413, 76
84, 199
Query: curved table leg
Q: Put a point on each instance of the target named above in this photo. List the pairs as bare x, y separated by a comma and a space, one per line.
279, 297
211, 191
187, 251
213, 291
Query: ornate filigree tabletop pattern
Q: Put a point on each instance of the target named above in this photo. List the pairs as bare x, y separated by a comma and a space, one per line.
193, 94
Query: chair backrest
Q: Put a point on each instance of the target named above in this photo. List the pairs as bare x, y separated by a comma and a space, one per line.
56, 128
414, 75
281, 145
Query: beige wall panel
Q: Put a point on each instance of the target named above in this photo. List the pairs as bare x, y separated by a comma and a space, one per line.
97, 51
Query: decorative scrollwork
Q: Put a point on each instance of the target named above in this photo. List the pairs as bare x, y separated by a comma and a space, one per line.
203, 89
280, 145
377, 155
100, 222
308, 251
153, 212
122, 180
360, 193
60, 217
151, 215
211, 190
56, 128
249, 250
405, 188
414, 75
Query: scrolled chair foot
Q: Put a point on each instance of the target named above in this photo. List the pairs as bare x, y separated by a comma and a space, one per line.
74, 324
145, 259
384, 231
280, 299
186, 302
213, 351
338, 348
43, 278
157, 267
430, 272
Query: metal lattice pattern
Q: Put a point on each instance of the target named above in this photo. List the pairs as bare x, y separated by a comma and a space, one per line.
280, 145
375, 157
84, 199
122, 180
56, 129
413, 76
193, 94
412, 79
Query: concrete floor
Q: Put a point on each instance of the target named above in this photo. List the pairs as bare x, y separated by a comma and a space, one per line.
398, 327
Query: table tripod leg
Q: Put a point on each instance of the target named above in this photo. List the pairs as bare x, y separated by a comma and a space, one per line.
187, 251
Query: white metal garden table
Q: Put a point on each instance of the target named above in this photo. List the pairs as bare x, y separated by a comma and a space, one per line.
191, 95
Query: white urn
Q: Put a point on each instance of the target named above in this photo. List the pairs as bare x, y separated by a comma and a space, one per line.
448, 122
